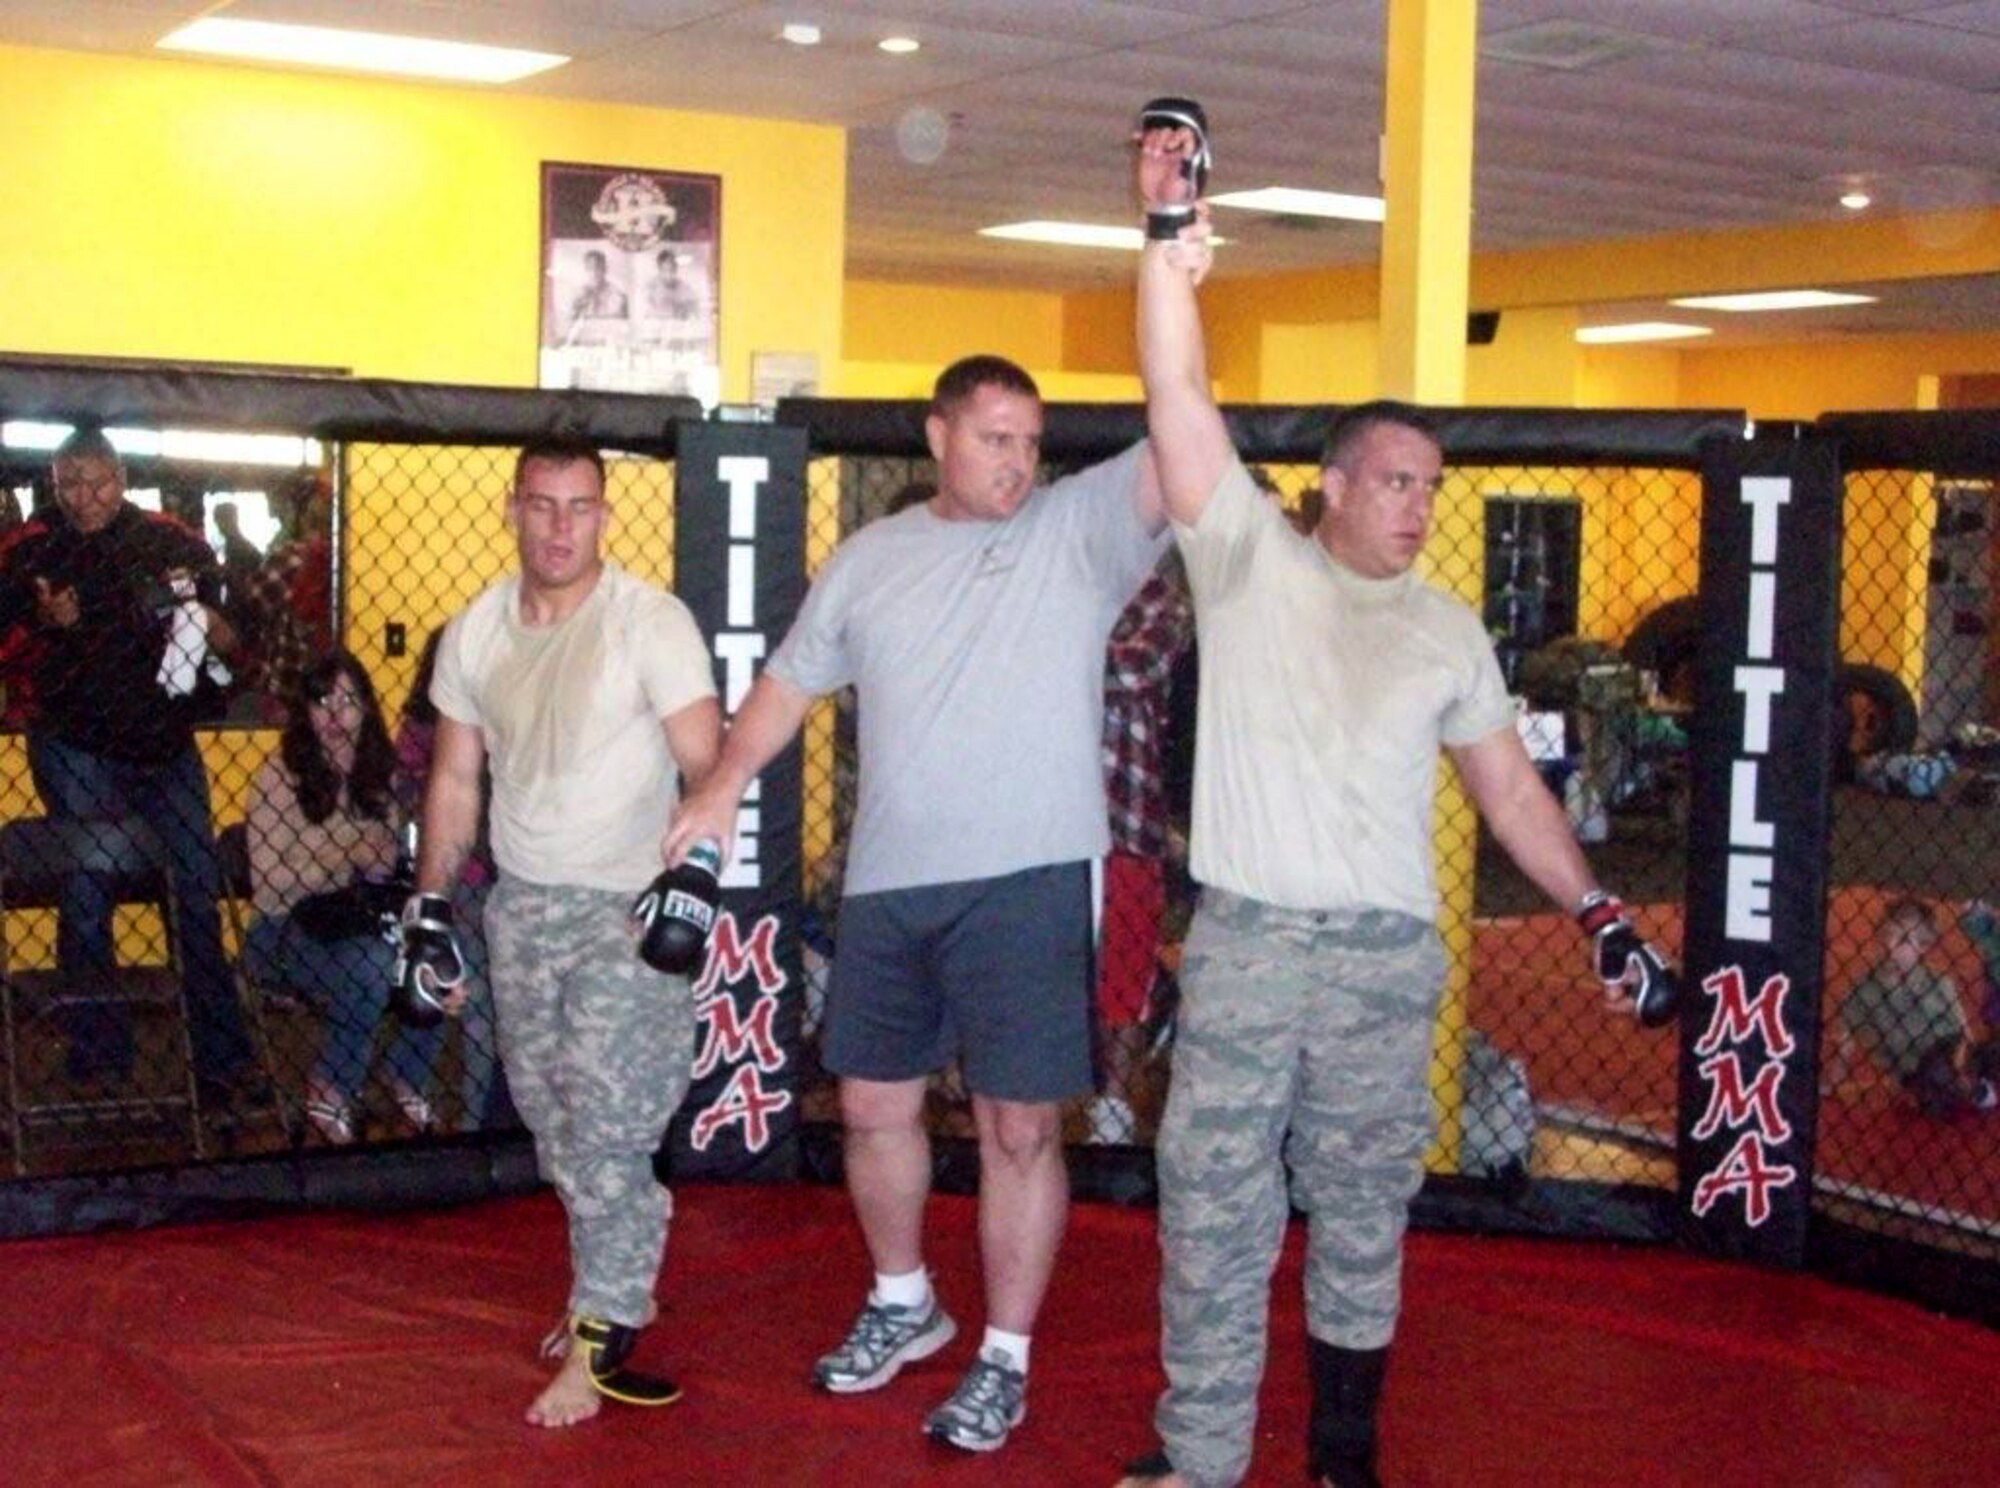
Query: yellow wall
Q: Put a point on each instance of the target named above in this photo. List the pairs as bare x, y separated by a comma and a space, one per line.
1628, 377
1806, 379
1294, 337
1531, 363
914, 380
179, 210
1331, 362
1824, 254
898, 336
938, 324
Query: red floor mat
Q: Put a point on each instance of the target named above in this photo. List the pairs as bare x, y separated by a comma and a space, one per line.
396, 1349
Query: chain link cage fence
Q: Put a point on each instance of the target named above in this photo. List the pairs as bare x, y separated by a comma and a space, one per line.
193, 977
1909, 1146
196, 951
1578, 545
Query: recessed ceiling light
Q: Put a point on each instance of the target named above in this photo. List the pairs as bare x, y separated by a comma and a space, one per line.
1638, 330
1774, 299
1856, 201
800, 33
1293, 201
357, 51
899, 46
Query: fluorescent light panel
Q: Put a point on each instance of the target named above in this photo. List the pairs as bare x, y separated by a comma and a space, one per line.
1638, 330
1079, 235
1775, 299
1069, 234
1293, 201
357, 51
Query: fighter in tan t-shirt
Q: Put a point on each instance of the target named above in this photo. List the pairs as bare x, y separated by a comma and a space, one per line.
591, 695
1331, 675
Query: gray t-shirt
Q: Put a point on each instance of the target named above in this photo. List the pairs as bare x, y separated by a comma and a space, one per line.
976, 650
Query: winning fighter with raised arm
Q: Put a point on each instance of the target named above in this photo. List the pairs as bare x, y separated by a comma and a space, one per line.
1330, 677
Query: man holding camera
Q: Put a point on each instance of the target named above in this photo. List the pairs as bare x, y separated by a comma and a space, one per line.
124, 610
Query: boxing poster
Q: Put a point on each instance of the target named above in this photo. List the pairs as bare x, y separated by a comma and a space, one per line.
739, 565
631, 268
1757, 843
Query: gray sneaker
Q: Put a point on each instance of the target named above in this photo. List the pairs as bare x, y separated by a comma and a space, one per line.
989, 1402
882, 1340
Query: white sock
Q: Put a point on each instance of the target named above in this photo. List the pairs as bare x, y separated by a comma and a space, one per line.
1013, 1345
911, 1289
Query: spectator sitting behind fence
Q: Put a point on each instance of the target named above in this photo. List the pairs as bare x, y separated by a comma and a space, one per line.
321, 826
123, 605
1906, 1016
1980, 922
483, 1098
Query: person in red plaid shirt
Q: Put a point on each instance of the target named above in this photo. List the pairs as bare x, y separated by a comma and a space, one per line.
1152, 634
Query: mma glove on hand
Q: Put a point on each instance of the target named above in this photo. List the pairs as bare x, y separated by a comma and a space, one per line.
430, 966
677, 911
1165, 219
1622, 959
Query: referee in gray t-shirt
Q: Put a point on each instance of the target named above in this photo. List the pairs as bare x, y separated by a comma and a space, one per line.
972, 628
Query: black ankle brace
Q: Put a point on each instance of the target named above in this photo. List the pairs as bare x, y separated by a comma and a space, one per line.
607, 1346
1340, 1438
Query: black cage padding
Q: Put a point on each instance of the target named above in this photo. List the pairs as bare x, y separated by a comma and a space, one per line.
1958, 442
334, 408
1072, 432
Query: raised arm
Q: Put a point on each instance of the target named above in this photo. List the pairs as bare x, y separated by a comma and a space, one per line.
765, 724
1190, 441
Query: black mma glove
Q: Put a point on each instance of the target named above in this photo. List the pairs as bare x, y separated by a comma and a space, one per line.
677, 911
429, 963
1621, 959
1164, 220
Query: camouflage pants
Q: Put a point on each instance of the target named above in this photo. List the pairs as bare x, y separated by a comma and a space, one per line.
1304, 1039
597, 1047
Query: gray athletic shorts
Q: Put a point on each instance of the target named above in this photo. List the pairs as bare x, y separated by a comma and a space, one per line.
995, 972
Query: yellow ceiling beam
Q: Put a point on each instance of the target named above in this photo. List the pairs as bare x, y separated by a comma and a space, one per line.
1427, 182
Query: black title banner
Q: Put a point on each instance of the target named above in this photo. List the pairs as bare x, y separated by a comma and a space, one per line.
1757, 843
739, 564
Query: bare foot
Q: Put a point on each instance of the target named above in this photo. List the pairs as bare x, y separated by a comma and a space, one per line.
569, 1397
555, 1342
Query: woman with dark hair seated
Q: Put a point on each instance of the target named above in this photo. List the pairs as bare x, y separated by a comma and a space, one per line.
321, 828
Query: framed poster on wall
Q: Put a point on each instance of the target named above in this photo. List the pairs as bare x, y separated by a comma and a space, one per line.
631, 276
